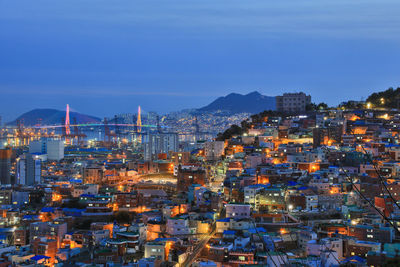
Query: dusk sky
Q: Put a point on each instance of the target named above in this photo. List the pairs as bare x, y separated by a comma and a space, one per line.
105, 57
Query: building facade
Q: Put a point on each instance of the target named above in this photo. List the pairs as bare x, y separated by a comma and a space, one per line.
28, 169
292, 102
160, 143
5, 166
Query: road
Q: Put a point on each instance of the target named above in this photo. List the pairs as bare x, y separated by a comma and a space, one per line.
192, 257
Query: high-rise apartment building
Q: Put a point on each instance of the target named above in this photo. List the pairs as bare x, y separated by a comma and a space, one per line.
54, 148
159, 143
28, 169
292, 102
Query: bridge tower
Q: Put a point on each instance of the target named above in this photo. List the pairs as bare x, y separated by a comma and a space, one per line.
67, 122
139, 125
67, 126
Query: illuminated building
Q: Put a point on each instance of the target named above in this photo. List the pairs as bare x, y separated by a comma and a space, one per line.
155, 249
5, 196
21, 237
93, 175
131, 239
237, 210
214, 150
54, 148
375, 233
55, 231
29, 170
250, 193
159, 143
243, 256
126, 201
189, 176
182, 158
45, 246
271, 198
354, 247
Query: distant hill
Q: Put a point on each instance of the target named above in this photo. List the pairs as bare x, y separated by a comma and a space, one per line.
51, 117
253, 102
385, 99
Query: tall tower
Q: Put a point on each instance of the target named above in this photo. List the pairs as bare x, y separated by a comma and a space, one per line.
67, 125
139, 125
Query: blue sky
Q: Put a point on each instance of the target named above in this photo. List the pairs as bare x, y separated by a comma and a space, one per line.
105, 57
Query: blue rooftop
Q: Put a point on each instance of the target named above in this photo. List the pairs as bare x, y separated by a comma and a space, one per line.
302, 188
39, 257
257, 230
47, 209
229, 232
30, 217
87, 195
354, 259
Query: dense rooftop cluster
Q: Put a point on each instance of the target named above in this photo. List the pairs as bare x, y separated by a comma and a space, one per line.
312, 190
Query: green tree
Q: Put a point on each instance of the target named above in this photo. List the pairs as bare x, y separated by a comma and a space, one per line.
386, 99
322, 106
234, 130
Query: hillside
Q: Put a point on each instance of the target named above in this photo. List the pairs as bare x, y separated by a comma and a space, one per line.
385, 99
51, 117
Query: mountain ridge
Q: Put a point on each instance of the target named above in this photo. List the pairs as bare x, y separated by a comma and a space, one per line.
47, 116
233, 103
253, 102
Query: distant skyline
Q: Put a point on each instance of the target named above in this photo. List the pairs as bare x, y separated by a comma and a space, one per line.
107, 57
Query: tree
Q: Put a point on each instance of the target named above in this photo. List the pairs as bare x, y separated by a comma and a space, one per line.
311, 107
230, 132
386, 99
122, 217
73, 203
315, 107
322, 106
